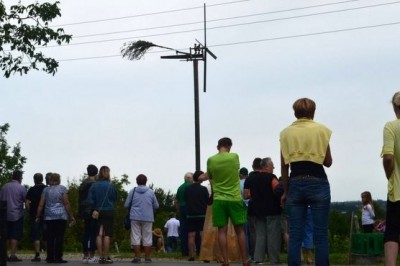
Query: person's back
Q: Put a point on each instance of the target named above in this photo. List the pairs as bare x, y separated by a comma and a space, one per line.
264, 201
172, 227
143, 204
222, 169
83, 191
33, 196
14, 193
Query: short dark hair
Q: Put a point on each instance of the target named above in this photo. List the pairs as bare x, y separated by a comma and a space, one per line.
257, 163
92, 170
38, 178
141, 179
224, 142
196, 175
17, 175
47, 177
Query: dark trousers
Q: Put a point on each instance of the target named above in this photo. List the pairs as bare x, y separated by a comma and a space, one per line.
55, 239
184, 231
89, 235
172, 244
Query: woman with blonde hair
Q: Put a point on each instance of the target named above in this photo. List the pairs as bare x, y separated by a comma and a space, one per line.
305, 149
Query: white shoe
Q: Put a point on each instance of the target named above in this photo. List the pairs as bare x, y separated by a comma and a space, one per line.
85, 260
93, 260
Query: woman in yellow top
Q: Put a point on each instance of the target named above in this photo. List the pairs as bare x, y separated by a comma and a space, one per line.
391, 164
305, 149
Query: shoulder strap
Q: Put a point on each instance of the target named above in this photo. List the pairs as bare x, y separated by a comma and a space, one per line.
108, 188
130, 204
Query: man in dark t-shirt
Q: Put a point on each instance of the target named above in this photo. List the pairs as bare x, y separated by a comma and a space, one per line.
196, 197
31, 203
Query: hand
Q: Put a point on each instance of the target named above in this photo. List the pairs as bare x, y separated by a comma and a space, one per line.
283, 199
73, 222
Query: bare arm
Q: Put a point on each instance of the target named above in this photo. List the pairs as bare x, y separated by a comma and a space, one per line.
246, 193
28, 205
203, 177
68, 207
40, 208
328, 157
388, 164
285, 176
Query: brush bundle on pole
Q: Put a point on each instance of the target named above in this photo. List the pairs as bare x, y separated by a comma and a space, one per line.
136, 50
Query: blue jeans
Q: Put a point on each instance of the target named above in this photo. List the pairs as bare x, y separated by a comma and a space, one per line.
313, 192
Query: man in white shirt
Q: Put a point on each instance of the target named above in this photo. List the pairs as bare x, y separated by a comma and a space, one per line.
171, 227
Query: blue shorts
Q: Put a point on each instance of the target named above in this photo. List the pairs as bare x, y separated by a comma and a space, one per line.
14, 229
36, 230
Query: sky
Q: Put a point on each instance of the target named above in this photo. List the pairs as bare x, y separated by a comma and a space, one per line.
138, 116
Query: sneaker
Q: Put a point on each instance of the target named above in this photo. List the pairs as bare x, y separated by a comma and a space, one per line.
136, 260
13, 259
93, 260
85, 260
36, 259
107, 260
147, 260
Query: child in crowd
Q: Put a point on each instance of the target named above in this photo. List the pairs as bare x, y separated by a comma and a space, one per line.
368, 213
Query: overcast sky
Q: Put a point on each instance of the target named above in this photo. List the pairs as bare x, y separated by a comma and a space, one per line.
138, 116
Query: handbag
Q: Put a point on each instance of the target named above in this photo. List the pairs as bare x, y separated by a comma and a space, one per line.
127, 219
96, 213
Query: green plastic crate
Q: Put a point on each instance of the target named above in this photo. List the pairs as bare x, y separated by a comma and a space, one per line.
367, 244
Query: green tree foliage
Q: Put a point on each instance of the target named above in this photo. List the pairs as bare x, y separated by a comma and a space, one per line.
9, 159
339, 223
22, 30
166, 202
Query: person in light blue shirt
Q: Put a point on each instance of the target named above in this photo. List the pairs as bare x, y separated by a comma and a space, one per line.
142, 202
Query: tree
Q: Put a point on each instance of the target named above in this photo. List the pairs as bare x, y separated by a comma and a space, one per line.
22, 30
9, 161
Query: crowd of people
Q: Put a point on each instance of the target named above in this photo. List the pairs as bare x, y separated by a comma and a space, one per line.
241, 215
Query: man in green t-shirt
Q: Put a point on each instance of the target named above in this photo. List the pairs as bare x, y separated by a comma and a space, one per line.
223, 173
